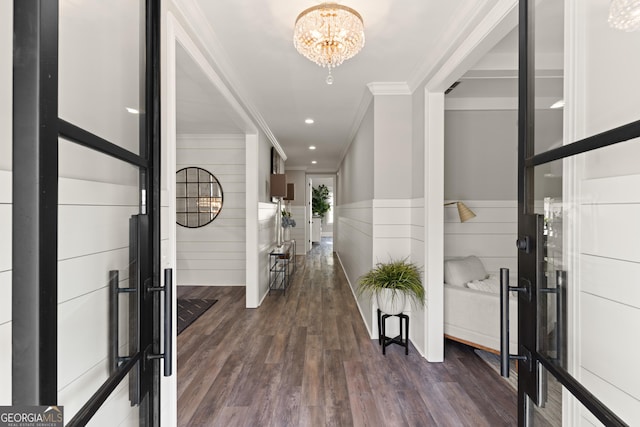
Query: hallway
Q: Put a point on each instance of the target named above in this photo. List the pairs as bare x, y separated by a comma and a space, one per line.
305, 359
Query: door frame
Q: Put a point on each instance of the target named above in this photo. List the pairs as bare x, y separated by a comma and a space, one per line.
499, 21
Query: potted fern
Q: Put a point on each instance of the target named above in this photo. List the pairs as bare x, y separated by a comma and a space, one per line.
393, 283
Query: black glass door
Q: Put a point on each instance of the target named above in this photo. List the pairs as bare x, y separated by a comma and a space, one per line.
87, 73
578, 204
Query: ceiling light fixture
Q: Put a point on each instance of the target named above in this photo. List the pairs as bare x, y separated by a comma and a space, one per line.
328, 34
132, 110
309, 121
313, 162
625, 15
312, 147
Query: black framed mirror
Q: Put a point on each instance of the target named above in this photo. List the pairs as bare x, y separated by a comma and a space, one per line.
199, 197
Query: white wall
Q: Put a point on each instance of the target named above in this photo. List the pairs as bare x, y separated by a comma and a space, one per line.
214, 255
607, 290
392, 147
6, 88
356, 171
383, 222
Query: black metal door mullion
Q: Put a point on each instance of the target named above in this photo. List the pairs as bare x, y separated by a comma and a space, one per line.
35, 203
87, 139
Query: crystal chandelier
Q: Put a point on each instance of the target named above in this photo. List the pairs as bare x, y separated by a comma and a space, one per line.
625, 15
328, 33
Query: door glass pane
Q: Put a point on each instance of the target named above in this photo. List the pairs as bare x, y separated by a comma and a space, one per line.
93, 240
607, 76
549, 412
101, 61
589, 295
549, 74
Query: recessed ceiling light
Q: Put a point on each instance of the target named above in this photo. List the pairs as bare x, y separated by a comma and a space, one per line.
312, 147
313, 162
132, 110
308, 121
558, 104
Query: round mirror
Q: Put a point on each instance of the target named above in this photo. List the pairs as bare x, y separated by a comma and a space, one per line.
198, 197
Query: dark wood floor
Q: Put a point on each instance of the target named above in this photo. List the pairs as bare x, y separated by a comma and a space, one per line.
305, 359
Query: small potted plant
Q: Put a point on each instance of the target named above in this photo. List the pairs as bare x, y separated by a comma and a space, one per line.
393, 283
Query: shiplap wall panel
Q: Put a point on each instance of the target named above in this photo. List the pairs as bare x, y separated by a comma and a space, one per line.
612, 279
624, 405
491, 235
605, 230
266, 242
5, 364
82, 275
5, 284
354, 246
5, 240
116, 408
417, 249
93, 239
5, 187
604, 321
230, 277
609, 292
86, 230
220, 247
215, 255
5, 301
85, 341
212, 264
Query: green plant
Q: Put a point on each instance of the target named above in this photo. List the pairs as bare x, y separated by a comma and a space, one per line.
399, 275
320, 200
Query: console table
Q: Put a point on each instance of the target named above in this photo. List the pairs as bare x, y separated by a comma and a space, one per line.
282, 264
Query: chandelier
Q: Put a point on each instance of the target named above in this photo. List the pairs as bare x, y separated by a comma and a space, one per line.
625, 15
328, 34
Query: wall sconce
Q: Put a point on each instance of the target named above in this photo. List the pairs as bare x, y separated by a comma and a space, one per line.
463, 211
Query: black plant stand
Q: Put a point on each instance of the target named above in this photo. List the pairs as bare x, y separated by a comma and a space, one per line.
402, 339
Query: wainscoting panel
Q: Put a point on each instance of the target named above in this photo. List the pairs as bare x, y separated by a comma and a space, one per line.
266, 241
5, 287
610, 278
609, 293
605, 230
354, 246
605, 322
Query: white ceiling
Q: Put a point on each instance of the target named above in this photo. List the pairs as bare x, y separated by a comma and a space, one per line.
251, 46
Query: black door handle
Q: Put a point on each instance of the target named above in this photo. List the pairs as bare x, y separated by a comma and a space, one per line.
167, 355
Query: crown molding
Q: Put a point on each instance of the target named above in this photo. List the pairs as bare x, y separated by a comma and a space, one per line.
365, 101
219, 60
389, 88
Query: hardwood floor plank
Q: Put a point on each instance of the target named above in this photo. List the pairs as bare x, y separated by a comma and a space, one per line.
305, 358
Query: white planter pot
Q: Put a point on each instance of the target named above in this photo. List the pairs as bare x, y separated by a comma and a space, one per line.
287, 233
390, 301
